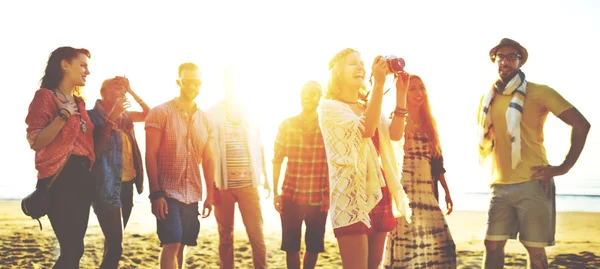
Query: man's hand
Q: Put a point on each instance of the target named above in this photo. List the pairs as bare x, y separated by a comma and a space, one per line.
208, 205
160, 208
278, 203
268, 189
546, 173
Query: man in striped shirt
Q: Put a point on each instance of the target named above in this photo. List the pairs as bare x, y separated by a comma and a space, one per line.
179, 138
305, 190
239, 164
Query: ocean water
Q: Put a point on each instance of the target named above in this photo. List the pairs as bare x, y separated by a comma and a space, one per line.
463, 200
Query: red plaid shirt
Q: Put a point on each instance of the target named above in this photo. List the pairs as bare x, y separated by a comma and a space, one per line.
306, 178
182, 144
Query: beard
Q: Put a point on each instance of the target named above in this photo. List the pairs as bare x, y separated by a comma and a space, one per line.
506, 74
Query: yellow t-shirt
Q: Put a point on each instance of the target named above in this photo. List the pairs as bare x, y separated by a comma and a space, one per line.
129, 172
540, 100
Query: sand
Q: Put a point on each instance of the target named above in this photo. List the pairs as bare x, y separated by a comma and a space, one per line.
23, 245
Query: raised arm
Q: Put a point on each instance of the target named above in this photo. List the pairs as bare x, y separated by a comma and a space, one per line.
137, 116
103, 130
399, 114
373, 110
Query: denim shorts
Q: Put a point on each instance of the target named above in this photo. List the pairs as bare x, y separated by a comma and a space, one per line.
527, 209
181, 225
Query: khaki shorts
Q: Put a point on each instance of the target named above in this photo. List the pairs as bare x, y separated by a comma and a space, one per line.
527, 209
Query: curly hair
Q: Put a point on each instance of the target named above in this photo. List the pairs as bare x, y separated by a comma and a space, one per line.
333, 86
53, 74
429, 122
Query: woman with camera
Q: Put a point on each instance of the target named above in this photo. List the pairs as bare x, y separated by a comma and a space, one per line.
60, 132
118, 163
426, 242
364, 178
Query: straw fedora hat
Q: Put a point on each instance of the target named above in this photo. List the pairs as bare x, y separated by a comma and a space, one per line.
512, 43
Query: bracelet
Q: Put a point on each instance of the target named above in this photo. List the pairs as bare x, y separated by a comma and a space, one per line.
63, 116
399, 115
64, 110
399, 112
157, 194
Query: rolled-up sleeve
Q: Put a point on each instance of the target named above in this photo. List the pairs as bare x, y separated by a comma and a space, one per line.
40, 114
156, 118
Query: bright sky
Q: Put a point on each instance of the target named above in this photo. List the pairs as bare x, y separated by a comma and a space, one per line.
281, 44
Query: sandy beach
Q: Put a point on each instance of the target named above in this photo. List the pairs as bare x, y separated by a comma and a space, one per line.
23, 245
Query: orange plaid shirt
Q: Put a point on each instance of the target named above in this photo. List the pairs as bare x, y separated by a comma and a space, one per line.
183, 141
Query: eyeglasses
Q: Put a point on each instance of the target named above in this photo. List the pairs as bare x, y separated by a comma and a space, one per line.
511, 57
191, 82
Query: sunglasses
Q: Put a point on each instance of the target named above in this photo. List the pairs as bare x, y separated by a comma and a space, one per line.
511, 56
190, 82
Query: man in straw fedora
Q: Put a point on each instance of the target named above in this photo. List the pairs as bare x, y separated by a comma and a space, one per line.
511, 119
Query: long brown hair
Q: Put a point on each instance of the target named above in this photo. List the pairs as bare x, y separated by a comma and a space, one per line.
333, 85
429, 123
53, 74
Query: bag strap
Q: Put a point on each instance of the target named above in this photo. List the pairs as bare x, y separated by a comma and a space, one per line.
59, 170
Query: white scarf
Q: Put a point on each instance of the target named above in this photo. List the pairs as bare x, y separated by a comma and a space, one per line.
517, 88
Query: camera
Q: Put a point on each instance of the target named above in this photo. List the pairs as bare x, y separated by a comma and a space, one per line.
395, 64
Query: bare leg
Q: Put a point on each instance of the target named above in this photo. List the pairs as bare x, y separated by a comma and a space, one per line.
292, 260
181, 256
494, 254
354, 250
376, 247
169, 255
310, 260
537, 258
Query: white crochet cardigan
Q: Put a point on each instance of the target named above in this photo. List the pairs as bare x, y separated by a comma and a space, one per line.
354, 167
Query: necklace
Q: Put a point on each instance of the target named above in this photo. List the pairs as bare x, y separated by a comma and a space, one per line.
82, 122
65, 96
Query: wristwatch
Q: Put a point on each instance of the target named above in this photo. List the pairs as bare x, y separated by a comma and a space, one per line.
157, 194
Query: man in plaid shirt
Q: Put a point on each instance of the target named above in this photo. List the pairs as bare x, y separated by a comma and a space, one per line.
305, 190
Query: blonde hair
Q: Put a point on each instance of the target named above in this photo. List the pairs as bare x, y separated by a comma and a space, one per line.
116, 81
333, 85
429, 123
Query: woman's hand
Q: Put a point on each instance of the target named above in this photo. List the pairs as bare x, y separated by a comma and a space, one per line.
402, 82
449, 204
120, 106
379, 70
71, 109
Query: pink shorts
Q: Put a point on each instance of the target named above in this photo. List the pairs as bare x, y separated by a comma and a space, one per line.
382, 219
